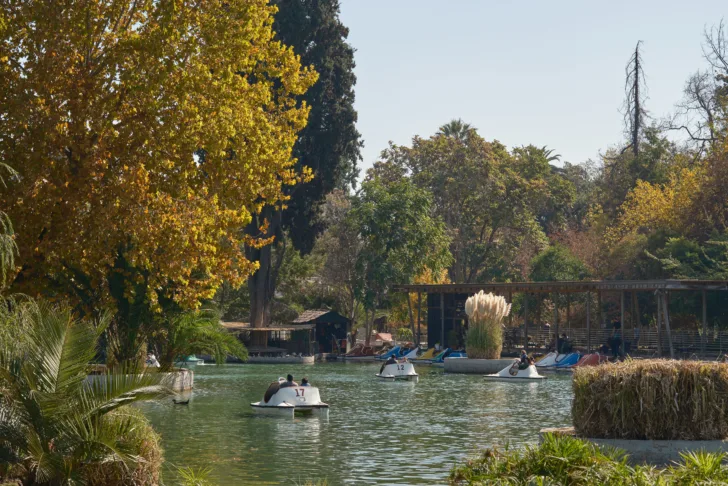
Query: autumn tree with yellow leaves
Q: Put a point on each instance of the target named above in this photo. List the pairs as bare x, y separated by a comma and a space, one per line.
145, 134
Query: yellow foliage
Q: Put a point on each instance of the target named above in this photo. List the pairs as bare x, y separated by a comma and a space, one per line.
650, 207
399, 315
145, 129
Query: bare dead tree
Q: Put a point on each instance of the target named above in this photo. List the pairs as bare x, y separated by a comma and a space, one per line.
715, 48
702, 112
635, 89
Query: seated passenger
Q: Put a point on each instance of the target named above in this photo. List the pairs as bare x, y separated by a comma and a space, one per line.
289, 382
525, 361
564, 344
304, 382
390, 360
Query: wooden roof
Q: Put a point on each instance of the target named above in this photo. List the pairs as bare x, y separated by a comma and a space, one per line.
320, 315
566, 287
245, 326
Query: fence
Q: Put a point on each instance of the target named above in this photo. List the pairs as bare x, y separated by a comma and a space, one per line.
686, 343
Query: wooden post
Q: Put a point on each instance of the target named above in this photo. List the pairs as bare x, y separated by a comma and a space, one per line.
525, 321
621, 311
600, 315
568, 311
659, 323
419, 318
666, 315
588, 322
704, 341
510, 315
636, 321
442, 320
556, 321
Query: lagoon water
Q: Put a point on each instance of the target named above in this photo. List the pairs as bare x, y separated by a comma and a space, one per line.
377, 432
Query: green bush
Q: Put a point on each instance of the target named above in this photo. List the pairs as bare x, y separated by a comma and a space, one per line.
56, 426
563, 460
142, 439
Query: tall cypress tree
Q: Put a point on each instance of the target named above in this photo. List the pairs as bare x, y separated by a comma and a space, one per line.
329, 145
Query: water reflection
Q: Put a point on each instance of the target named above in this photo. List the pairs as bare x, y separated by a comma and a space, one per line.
378, 432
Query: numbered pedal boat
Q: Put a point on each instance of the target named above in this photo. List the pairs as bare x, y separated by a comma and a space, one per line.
398, 371
293, 400
513, 374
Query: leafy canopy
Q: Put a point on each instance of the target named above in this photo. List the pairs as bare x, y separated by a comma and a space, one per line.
557, 263
399, 237
491, 201
197, 332
144, 130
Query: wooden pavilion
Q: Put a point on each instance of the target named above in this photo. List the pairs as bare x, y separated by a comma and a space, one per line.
446, 317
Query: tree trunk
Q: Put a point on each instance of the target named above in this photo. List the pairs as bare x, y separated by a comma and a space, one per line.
411, 315
369, 322
262, 283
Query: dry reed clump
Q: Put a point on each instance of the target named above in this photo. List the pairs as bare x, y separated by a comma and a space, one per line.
485, 325
652, 399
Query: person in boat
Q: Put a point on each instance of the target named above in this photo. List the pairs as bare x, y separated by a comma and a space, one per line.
390, 360
289, 382
564, 344
616, 339
525, 362
304, 382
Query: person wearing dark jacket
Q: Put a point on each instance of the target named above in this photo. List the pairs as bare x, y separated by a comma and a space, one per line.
289, 382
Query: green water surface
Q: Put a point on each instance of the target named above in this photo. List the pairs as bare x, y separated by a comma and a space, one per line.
377, 432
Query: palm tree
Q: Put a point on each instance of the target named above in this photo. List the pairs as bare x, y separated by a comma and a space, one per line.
197, 332
456, 129
8, 249
55, 422
547, 153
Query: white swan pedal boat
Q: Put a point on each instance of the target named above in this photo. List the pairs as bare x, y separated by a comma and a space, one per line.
514, 374
398, 371
290, 400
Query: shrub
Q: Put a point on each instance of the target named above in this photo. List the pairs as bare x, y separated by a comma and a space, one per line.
564, 460
652, 399
56, 427
196, 332
144, 441
404, 334
485, 325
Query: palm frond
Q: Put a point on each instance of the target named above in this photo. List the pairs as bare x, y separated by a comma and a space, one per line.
55, 420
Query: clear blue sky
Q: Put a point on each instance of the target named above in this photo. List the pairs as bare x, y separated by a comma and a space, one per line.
522, 72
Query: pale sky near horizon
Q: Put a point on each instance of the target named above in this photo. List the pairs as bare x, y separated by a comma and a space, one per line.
525, 72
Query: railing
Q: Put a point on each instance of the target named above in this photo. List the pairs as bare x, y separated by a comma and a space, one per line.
644, 342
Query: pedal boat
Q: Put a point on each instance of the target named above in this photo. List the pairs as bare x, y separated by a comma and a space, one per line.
399, 371
513, 374
290, 401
